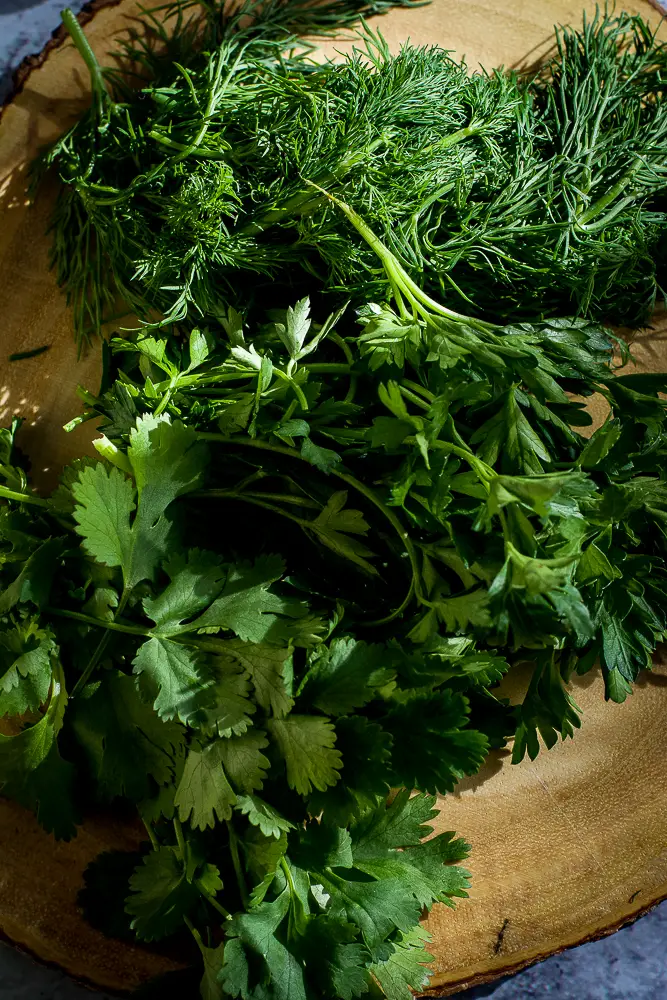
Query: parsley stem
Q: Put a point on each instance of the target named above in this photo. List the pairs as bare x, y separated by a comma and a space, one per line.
22, 497
236, 861
414, 398
327, 368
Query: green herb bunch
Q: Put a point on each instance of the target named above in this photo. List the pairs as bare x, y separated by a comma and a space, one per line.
295, 579
311, 551
514, 196
208, 693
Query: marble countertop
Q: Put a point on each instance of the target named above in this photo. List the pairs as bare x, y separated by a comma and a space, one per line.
630, 965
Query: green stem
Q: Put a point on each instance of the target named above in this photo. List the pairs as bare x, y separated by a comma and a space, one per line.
239, 494
288, 876
151, 834
236, 861
414, 398
180, 839
83, 46
346, 478
202, 154
399, 278
212, 901
606, 199
22, 497
99, 651
114, 626
420, 389
327, 368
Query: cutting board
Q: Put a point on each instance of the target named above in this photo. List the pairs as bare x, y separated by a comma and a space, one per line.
564, 849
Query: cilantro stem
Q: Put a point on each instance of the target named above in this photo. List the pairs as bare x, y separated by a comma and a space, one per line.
212, 901
151, 834
236, 861
114, 626
101, 646
288, 876
180, 840
370, 495
22, 497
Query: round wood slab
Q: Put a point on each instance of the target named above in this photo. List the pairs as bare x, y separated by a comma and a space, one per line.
564, 849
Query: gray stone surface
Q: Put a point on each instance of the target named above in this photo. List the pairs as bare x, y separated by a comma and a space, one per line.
628, 966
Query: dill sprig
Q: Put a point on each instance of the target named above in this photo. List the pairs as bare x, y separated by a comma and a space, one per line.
188, 185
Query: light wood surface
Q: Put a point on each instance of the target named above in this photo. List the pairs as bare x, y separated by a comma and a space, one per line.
564, 849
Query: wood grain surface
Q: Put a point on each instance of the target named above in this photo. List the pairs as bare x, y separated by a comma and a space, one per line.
564, 849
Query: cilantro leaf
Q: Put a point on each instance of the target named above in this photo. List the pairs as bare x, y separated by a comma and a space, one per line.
196, 580
346, 675
123, 739
204, 792
264, 666
253, 935
446, 750
105, 501
306, 743
263, 815
162, 895
173, 677
246, 605
405, 970
26, 652
341, 967
245, 764
33, 584
33, 772
167, 461
227, 707
366, 751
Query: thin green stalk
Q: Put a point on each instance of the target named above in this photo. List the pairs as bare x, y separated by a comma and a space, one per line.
179, 147
81, 42
99, 651
399, 278
236, 861
327, 368
151, 834
346, 478
22, 497
114, 626
417, 400
212, 901
180, 840
607, 199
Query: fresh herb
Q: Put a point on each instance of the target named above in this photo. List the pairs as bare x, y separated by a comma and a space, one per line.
310, 552
512, 197
295, 579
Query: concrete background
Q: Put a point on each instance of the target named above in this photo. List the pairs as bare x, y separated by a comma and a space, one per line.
630, 965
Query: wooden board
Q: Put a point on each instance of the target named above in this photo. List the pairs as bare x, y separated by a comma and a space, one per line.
564, 849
